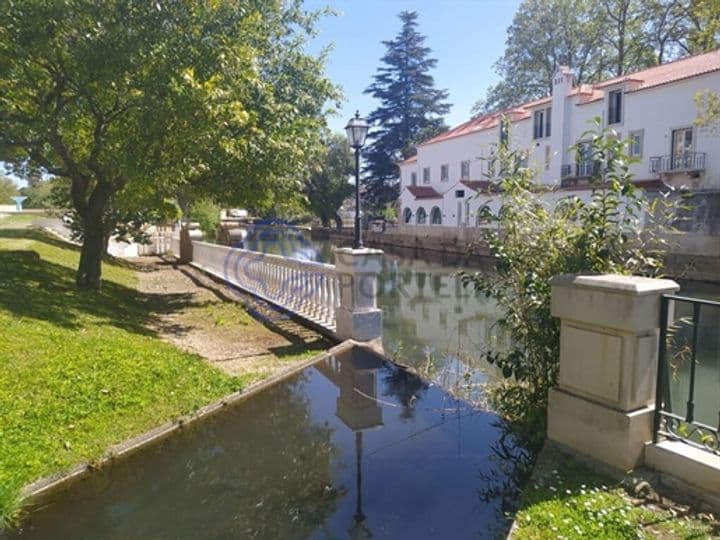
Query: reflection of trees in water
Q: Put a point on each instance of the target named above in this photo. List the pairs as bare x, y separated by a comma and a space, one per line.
405, 387
260, 469
512, 456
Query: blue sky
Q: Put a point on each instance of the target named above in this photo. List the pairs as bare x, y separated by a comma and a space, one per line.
466, 36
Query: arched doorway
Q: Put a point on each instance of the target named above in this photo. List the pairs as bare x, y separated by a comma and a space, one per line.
435, 216
421, 216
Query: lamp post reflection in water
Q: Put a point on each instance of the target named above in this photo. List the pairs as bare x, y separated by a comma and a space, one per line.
354, 373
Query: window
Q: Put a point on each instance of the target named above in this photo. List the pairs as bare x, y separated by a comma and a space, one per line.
435, 216
413, 179
483, 215
636, 143
444, 173
538, 122
465, 170
585, 162
542, 123
459, 193
682, 148
407, 215
615, 107
682, 141
548, 116
421, 216
426, 175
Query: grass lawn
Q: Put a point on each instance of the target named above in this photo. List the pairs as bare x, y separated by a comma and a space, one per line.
80, 371
573, 502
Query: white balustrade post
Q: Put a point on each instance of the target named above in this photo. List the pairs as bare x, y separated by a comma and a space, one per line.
357, 316
604, 403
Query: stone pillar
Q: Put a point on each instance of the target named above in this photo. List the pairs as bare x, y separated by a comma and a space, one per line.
604, 403
187, 235
358, 317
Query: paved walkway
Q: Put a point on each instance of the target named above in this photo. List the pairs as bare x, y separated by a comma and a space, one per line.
233, 331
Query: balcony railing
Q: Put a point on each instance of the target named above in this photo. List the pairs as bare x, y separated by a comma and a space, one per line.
686, 162
582, 169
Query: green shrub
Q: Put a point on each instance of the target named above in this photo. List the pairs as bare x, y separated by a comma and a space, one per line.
207, 214
619, 230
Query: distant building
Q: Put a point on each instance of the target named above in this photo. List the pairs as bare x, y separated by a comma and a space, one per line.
445, 183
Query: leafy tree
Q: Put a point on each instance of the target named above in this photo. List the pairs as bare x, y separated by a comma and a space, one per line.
622, 35
411, 109
46, 192
136, 102
619, 230
327, 186
704, 32
207, 214
598, 39
7, 189
544, 35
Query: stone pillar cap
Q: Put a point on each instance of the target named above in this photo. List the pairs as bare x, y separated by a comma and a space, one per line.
633, 285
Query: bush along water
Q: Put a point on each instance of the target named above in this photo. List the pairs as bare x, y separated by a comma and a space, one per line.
617, 229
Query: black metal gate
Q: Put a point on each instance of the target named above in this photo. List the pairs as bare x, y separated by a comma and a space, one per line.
688, 377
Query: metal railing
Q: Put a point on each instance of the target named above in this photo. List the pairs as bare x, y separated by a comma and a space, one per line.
159, 242
582, 169
679, 360
687, 161
306, 288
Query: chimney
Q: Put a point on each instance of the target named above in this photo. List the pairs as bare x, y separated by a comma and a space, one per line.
559, 140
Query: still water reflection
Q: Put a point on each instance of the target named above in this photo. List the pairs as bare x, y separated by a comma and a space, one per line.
353, 447
429, 319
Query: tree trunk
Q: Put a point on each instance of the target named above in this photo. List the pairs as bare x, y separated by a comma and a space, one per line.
91, 254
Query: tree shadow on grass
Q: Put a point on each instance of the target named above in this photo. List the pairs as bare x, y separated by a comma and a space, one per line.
35, 288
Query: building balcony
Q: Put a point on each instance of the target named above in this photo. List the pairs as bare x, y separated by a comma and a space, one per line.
688, 162
583, 170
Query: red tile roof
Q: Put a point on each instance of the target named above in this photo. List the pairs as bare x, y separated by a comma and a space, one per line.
424, 192
477, 185
480, 123
676, 70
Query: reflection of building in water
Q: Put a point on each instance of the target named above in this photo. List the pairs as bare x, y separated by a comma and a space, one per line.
427, 304
354, 372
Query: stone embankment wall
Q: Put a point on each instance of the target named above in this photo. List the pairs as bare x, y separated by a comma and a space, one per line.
694, 255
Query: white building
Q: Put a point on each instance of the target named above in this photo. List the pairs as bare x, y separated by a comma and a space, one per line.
446, 182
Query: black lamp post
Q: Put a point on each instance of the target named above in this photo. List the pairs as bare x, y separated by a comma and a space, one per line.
356, 130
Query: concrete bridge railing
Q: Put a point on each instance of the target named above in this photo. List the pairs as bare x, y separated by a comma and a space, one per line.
339, 298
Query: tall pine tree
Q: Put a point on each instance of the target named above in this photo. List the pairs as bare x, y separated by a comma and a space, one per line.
410, 110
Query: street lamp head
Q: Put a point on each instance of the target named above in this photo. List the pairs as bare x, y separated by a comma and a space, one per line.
357, 129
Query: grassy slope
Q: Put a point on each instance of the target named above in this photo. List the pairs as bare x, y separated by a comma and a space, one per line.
572, 502
80, 371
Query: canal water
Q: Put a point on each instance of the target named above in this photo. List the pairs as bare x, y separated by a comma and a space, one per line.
353, 447
433, 323
430, 320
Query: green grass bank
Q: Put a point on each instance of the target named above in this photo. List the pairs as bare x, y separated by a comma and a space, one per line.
80, 371
573, 502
